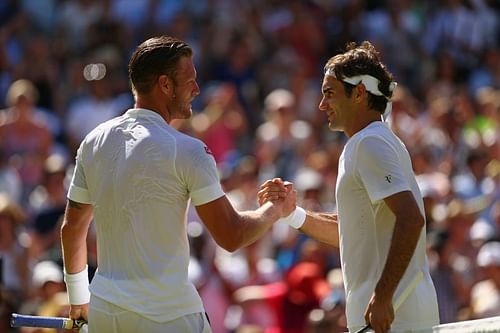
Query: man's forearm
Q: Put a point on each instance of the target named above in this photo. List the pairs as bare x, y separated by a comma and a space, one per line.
74, 248
403, 243
322, 227
74, 231
257, 223
74, 251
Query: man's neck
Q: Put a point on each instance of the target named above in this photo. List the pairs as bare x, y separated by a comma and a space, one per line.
147, 102
363, 123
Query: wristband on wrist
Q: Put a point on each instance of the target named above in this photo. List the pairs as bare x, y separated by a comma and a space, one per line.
296, 219
77, 286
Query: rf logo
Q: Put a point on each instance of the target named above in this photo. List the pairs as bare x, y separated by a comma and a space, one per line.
208, 151
388, 178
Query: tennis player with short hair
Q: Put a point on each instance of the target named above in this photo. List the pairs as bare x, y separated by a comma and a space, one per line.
135, 174
380, 226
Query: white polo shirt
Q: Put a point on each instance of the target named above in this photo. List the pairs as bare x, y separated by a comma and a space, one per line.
374, 165
139, 174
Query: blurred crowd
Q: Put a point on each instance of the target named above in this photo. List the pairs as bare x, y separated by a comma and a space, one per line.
63, 70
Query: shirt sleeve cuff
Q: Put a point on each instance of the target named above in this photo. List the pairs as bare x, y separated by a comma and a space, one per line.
381, 195
206, 194
79, 194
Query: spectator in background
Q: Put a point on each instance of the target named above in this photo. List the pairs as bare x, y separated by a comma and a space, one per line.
485, 295
215, 290
40, 68
433, 183
406, 116
487, 75
460, 29
222, 124
95, 106
75, 17
460, 251
49, 296
402, 52
488, 116
331, 316
25, 139
449, 286
281, 139
290, 301
310, 187
239, 70
475, 186
47, 203
15, 279
51, 193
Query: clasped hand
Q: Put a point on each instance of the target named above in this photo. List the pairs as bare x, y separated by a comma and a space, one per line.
278, 192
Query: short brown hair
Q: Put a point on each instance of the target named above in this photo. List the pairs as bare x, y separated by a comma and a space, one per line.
362, 60
154, 57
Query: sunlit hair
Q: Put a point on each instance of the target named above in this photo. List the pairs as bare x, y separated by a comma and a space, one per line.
21, 88
360, 60
154, 57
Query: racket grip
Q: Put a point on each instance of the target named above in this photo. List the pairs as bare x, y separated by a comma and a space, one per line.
18, 320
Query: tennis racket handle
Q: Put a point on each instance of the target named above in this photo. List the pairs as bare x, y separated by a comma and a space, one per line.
18, 320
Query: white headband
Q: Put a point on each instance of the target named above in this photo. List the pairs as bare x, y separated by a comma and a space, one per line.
371, 85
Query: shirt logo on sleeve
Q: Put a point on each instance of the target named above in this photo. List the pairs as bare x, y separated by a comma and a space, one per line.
388, 178
208, 151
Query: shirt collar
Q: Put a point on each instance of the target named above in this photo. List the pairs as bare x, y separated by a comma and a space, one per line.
144, 113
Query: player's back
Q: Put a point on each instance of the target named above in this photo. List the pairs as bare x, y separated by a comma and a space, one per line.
134, 171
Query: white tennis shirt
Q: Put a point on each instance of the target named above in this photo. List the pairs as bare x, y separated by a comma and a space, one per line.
374, 165
139, 174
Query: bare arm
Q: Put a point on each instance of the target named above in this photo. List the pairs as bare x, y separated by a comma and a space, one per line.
322, 227
74, 229
232, 229
77, 218
407, 229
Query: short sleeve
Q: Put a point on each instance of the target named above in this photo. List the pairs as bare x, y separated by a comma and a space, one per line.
379, 168
78, 190
198, 171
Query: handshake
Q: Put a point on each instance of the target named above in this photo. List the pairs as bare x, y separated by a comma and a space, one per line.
283, 196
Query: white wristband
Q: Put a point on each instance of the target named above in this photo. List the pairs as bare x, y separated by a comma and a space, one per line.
77, 286
296, 219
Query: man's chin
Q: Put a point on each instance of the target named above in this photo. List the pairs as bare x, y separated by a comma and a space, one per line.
185, 114
335, 128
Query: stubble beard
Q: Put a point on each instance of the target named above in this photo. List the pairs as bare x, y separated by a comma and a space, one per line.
334, 127
179, 110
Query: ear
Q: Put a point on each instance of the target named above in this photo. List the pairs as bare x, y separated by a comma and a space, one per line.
359, 92
164, 84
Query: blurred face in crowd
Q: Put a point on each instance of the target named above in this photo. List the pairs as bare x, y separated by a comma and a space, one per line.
185, 89
24, 107
335, 103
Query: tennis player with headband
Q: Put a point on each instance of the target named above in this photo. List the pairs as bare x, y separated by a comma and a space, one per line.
380, 226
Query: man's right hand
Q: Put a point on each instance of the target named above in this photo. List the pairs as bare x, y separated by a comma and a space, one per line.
279, 192
79, 311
